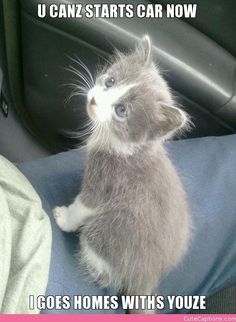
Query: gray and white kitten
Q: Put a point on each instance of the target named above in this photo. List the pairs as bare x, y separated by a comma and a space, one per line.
132, 206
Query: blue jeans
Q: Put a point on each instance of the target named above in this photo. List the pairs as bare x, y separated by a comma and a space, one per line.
207, 167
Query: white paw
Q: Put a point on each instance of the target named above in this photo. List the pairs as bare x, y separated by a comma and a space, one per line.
61, 217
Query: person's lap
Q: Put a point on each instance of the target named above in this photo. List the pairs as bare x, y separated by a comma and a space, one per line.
208, 170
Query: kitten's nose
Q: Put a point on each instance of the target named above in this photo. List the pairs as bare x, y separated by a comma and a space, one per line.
93, 102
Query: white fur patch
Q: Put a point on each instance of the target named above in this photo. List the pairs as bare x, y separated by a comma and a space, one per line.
104, 99
72, 217
97, 267
121, 147
106, 140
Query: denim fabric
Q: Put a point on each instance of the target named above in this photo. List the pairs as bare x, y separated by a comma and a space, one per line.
207, 167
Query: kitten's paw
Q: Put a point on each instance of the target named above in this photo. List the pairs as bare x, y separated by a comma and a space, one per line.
61, 217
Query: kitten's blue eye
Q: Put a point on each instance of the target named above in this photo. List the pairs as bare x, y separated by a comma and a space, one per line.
109, 82
121, 110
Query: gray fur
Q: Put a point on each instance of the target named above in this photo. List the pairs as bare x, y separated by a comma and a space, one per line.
142, 227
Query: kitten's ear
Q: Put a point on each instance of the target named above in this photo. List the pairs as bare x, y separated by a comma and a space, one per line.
171, 119
144, 50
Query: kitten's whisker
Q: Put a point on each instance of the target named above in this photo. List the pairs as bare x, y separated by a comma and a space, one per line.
88, 76
87, 80
76, 86
83, 133
81, 63
76, 93
67, 100
80, 75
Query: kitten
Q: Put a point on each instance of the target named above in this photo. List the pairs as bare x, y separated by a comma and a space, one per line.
132, 209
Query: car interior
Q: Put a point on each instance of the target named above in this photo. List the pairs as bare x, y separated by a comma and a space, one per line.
38, 121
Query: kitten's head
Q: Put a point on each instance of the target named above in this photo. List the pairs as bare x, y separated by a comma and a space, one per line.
131, 104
